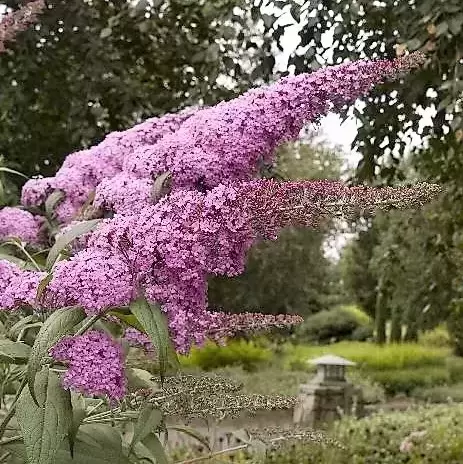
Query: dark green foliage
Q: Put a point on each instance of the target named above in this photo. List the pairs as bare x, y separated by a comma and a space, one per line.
396, 381
373, 29
89, 68
455, 326
328, 326
362, 333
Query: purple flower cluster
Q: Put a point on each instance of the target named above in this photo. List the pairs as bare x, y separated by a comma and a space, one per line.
224, 325
92, 280
138, 339
83, 171
230, 140
95, 364
204, 147
18, 223
17, 287
123, 194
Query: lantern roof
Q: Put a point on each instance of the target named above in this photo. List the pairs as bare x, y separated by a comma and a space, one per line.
331, 360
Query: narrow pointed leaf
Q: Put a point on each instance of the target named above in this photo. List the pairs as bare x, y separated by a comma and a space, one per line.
129, 319
140, 379
44, 427
64, 240
12, 171
153, 443
77, 418
60, 323
148, 420
13, 259
16, 329
154, 324
161, 186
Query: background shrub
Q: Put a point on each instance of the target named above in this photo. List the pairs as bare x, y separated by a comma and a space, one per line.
438, 337
441, 394
377, 440
327, 327
395, 381
362, 333
247, 354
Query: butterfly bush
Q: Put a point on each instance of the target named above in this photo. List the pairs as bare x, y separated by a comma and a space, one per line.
164, 241
83, 171
18, 287
18, 223
95, 364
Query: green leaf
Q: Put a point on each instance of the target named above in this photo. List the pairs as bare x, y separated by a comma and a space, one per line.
78, 416
99, 441
13, 259
129, 319
12, 171
16, 329
148, 420
106, 32
64, 240
192, 433
14, 352
44, 428
53, 329
161, 186
153, 443
154, 324
140, 379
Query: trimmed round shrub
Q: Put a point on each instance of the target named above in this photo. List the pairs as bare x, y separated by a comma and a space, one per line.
396, 381
327, 327
362, 333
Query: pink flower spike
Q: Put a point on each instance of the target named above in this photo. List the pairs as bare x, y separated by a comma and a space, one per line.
95, 364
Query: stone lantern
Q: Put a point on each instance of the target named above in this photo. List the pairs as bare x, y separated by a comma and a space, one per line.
331, 369
328, 395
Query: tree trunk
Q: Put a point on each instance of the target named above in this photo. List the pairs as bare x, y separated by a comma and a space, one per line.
396, 326
380, 315
411, 334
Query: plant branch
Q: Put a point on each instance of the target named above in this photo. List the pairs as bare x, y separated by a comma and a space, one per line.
88, 324
211, 455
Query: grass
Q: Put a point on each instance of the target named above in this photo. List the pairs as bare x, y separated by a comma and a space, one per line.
371, 357
392, 369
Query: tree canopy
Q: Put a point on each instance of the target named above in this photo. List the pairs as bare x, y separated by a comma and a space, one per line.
88, 68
